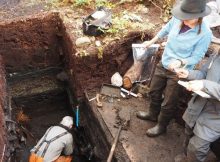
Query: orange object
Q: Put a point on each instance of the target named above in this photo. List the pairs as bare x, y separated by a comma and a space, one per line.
34, 158
64, 159
127, 84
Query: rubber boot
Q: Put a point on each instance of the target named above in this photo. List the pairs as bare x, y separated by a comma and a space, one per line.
161, 126
151, 114
181, 158
147, 115
188, 135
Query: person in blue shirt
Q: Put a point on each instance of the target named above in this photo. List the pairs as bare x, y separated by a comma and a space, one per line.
188, 38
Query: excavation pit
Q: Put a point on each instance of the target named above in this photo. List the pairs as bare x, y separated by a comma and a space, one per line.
35, 50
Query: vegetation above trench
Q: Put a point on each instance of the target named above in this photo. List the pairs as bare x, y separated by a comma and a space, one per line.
127, 16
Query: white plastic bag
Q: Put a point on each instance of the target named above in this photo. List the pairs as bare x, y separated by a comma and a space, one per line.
140, 53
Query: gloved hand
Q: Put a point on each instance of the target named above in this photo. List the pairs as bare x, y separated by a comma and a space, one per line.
182, 73
174, 65
147, 43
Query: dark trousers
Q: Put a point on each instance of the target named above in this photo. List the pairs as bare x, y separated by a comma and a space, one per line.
164, 94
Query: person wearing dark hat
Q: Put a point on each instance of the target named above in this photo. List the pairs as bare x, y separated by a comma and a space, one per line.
187, 42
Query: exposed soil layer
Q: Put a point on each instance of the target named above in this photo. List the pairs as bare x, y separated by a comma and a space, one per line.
91, 72
2, 107
34, 83
31, 43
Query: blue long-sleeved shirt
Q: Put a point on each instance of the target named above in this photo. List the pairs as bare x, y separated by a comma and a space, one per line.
188, 46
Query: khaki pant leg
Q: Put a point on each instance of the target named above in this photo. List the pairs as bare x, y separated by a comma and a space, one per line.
198, 149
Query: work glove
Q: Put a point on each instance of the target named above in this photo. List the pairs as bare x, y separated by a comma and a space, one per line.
147, 43
174, 65
182, 73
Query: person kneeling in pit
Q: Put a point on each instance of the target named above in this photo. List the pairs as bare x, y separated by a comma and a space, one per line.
55, 141
202, 116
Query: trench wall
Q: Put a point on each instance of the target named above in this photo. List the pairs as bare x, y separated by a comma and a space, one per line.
2, 106
31, 42
90, 72
26, 44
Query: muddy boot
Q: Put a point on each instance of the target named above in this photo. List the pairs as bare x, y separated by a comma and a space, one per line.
181, 158
151, 114
156, 130
147, 115
161, 126
186, 158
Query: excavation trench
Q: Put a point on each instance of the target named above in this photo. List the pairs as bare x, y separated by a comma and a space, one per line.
46, 81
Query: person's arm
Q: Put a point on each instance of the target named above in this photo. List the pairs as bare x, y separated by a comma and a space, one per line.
161, 34
199, 50
152, 41
68, 150
166, 29
212, 88
195, 74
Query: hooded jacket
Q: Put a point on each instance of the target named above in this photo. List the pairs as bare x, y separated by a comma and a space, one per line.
204, 113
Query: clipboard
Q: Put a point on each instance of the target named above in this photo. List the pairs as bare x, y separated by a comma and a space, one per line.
201, 93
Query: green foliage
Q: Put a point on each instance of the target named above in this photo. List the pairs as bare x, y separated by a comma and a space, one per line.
105, 3
83, 53
100, 52
82, 2
118, 24
167, 6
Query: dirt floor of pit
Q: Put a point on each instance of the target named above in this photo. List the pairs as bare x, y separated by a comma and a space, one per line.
137, 145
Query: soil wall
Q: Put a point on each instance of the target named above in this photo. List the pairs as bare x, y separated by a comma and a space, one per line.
31, 42
89, 72
2, 105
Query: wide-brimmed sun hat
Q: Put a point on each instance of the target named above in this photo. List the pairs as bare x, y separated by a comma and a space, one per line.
191, 9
